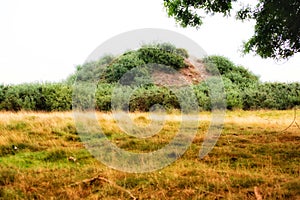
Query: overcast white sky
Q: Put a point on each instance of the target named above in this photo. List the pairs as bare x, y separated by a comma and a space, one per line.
44, 40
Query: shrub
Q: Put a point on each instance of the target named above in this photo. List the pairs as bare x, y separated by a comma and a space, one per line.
121, 65
182, 52
145, 97
56, 97
165, 46
237, 74
103, 96
155, 55
234, 95
219, 64
202, 94
46, 97
272, 96
91, 71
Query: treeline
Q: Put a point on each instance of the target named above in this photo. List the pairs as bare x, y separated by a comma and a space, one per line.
58, 97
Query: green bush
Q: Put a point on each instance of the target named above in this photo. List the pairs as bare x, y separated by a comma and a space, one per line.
158, 56
218, 65
144, 98
202, 94
182, 52
103, 96
121, 65
234, 95
20, 97
46, 97
272, 96
91, 71
165, 46
56, 97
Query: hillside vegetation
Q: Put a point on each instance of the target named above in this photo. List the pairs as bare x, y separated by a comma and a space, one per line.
243, 88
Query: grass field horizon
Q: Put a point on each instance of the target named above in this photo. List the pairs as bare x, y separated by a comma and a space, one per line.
42, 157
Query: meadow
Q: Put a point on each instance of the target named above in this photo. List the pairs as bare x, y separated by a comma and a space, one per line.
42, 157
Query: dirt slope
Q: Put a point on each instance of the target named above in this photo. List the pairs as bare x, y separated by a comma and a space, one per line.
193, 74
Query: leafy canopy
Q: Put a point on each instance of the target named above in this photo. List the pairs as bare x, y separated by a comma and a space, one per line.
277, 29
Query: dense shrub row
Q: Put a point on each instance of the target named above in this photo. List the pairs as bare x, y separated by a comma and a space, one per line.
46, 97
272, 96
58, 97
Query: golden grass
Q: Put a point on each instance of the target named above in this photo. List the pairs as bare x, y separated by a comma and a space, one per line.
252, 152
262, 116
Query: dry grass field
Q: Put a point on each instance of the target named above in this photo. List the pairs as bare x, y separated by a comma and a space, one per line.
42, 157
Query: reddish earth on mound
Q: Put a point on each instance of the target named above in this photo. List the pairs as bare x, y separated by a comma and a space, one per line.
194, 73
